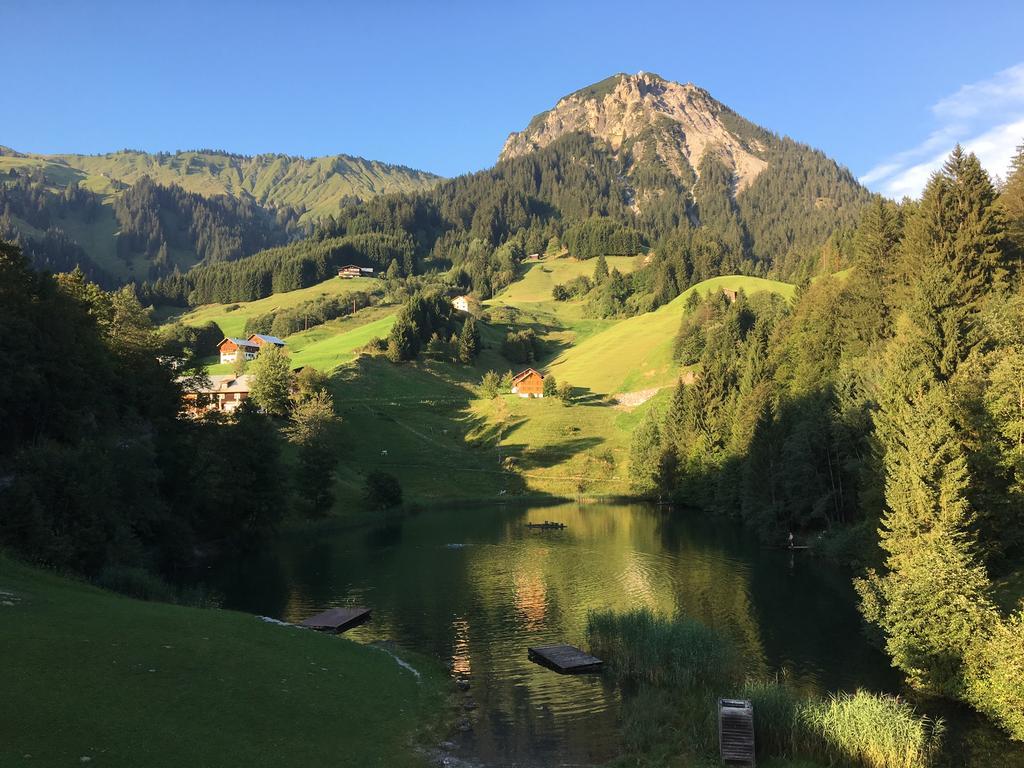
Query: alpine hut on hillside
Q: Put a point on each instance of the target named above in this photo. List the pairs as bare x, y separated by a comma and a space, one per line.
225, 393
528, 383
261, 340
350, 271
229, 349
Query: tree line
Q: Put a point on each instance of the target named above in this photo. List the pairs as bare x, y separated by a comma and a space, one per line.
887, 401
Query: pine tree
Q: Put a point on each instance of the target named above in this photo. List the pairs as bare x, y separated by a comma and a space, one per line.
933, 599
469, 341
1011, 201
952, 255
600, 270
875, 246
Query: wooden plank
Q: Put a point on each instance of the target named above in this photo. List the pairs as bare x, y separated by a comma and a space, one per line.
736, 731
337, 619
564, 659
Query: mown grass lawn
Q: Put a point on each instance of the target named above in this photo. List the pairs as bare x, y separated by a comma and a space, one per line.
92, 678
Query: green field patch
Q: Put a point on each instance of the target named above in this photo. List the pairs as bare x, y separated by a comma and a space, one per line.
540, 277
231, 317
636, 353
94, 678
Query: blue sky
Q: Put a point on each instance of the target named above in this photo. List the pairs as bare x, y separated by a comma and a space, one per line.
885, 88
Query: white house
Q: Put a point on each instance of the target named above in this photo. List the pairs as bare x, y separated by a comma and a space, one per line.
229, 349
461, 303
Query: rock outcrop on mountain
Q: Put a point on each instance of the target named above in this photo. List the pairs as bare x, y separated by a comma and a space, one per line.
652, 119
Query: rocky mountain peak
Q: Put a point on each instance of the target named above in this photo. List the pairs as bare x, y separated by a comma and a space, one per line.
646, 115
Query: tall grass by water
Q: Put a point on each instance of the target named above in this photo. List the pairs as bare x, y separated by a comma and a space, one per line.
661, 651
678, 668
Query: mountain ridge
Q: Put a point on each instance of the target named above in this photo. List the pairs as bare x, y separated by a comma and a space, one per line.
653, 119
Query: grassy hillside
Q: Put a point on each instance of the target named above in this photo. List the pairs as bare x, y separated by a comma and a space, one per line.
636, 353
95, 678
231, 317
423, 421
318, 184
540, 277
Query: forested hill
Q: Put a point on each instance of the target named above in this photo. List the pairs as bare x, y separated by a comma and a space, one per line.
634, 163
772, 200
701, 190
133, 216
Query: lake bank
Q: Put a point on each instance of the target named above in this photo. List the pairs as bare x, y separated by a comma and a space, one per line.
96, 678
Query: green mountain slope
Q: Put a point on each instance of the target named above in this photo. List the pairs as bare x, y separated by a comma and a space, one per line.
314, 185
636, 353
133, 217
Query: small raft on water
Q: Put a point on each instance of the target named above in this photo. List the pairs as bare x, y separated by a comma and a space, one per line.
337, 619
547, 525
564, 659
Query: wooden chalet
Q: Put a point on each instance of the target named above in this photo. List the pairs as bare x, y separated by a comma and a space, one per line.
350, 271
229, 349
528, 383
225, 393
261, 340
731, 295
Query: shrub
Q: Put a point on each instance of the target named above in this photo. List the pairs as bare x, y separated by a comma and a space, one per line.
381, 490
995, 677
521, 346
550, 386
489, 385
135, 582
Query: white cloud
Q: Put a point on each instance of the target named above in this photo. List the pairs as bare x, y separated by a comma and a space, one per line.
986, 117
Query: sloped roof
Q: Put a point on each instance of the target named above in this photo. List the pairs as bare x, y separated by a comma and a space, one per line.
268, 339
226, 382
237, 342
523, 374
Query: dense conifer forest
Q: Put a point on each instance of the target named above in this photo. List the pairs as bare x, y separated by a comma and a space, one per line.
887, 399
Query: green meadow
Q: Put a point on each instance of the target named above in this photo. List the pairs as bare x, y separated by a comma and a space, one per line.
636, 353
231, 317
424, 420
195, 687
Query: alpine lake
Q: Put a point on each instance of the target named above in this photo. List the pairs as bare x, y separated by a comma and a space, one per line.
475, 586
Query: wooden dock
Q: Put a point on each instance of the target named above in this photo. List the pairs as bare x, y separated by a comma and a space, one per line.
337, 619
736, 731
564, 659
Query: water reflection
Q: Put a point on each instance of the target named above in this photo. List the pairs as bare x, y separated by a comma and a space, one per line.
476, 587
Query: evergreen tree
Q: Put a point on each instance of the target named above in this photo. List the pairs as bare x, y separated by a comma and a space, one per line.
469, 341
600, 270
875, 247
933, 599
1011, 201
951, 256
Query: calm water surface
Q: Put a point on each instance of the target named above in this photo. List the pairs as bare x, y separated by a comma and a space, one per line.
475, 587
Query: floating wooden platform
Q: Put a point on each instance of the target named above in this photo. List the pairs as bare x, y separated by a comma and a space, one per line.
546, 525
736, 731
564, 659
337, 619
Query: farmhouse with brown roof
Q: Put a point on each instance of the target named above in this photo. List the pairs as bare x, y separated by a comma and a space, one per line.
225, 393
528, 383
229, 349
